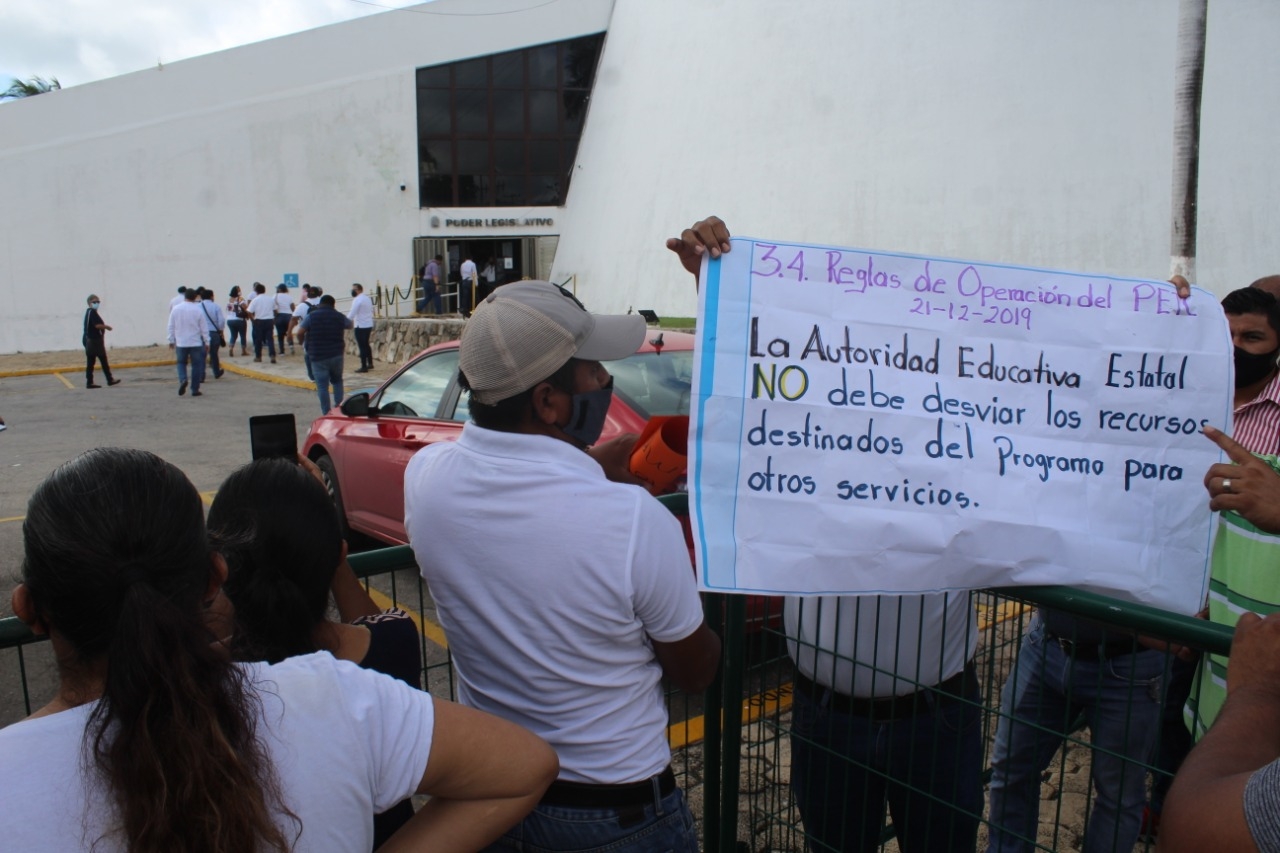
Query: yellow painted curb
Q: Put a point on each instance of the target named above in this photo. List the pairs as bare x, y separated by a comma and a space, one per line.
267, 377
42, 371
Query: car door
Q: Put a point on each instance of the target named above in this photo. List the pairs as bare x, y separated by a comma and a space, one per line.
414, 409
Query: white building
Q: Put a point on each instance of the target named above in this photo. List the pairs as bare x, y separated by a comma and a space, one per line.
1027, 133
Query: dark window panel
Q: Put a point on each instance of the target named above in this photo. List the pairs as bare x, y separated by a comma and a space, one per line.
473, 157
437, 191
544, 155
508, 70
436, 157
504, 129
568, 154
544, 113
474, 190
543, 66
472, 107
508, 111
575, 111
471, 73
508, 157
433, 113
545, 189
509, 190
580, 59
436, 76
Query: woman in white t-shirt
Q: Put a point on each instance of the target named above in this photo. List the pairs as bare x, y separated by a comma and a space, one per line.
156, 741
282, 305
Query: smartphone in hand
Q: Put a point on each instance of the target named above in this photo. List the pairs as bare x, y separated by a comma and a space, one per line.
273, 435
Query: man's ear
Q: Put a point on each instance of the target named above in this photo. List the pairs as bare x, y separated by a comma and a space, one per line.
25, 609
550, 406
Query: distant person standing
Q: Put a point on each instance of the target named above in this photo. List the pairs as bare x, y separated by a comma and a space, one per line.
189, 338
467, 286
282, 309
262, 315
430, 281
362, 318
178, 300
95, 347
303, 309
237, 321
323, 336
217, 329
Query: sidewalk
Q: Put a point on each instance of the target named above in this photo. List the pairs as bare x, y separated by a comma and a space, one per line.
288, 370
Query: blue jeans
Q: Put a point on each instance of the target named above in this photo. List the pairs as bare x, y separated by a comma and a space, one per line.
1046, 691
430, 296
927, 765
327, 371
664, 825
236, 328
196, 356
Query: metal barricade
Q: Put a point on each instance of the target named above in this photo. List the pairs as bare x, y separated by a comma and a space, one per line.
732, 745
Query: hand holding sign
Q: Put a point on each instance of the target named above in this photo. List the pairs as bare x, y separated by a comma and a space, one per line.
1247, 485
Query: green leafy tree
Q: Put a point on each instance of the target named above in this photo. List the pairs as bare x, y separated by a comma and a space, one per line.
27, 88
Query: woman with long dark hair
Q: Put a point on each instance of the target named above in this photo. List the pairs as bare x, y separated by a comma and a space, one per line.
237, 321
278, 529
156, 741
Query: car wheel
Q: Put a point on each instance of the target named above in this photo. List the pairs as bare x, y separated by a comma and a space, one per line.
330, 475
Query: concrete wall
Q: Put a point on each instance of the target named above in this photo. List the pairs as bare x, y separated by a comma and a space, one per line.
1029, 133
283, 156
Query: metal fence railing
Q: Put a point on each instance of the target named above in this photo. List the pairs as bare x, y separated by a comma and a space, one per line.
733, 744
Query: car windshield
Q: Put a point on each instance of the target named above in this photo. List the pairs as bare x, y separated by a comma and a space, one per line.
655, 383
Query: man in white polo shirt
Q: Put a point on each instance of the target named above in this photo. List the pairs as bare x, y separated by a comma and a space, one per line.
566, 597
361, 315
189, 338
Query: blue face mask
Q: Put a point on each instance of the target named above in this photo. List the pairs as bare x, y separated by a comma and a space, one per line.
94, 305
589, 411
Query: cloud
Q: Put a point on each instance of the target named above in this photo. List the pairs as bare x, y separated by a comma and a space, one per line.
82, 40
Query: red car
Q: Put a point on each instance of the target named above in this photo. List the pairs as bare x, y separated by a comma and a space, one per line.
363, 447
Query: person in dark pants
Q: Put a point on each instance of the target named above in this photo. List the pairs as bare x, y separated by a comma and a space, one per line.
217, 325
323, 334
262, 315
282, 310
95, 347
362, 316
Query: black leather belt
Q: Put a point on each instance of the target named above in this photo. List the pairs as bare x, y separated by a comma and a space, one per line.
894, 708
1095, 651
585, 795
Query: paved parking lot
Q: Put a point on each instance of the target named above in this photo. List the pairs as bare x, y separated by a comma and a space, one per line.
49, 422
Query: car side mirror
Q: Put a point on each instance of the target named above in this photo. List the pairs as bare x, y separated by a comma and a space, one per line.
357, 406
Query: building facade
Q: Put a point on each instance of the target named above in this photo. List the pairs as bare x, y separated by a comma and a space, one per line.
569, 139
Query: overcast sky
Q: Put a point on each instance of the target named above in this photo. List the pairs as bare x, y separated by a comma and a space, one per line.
78, 41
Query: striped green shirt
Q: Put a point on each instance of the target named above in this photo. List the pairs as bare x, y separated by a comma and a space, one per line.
1244, 576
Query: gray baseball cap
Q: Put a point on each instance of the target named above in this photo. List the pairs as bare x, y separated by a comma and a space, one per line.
525, 331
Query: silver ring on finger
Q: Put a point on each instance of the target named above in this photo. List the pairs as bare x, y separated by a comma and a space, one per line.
1226, 485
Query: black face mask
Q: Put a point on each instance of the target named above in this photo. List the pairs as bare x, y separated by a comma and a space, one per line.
1251, 367
589, 411
355, 292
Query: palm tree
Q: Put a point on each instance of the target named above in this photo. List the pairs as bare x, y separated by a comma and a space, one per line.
1188, 83
26, 88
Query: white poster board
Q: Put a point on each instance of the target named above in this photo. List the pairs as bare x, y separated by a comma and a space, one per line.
866, 422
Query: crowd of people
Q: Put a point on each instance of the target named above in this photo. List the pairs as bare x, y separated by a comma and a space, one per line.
199, 327
206, 701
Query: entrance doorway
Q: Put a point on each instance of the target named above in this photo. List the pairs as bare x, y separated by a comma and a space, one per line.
498, 260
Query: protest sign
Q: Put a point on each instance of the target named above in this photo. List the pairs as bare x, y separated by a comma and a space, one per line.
867, 422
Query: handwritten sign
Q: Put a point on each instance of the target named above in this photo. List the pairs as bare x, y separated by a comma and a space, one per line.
867, 422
